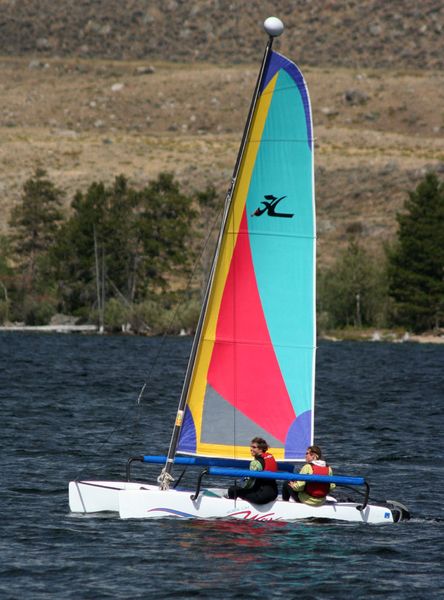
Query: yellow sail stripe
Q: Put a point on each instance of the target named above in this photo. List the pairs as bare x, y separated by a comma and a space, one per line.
199, 380
237, 452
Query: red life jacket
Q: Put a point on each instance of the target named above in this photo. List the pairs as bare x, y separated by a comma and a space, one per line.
315, 488
270, 463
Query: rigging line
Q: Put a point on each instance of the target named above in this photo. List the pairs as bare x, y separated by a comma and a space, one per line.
179, 479
125, 411
125, 300
175, 313
175, 436
233, 366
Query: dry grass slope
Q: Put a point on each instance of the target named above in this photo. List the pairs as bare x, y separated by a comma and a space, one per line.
378, 124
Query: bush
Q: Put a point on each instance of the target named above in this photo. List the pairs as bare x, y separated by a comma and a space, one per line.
353, 292
188, 315
38, 311
163, 315
149, 317
116, 316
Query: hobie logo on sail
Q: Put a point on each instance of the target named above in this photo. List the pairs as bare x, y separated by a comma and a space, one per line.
270, 203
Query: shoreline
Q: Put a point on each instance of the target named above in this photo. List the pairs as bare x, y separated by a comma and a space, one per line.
391, 339
337, 336
382, 335
52, 328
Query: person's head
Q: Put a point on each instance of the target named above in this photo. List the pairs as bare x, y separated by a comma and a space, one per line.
258, 445
313, 453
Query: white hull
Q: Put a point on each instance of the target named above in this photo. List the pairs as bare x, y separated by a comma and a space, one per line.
142, 501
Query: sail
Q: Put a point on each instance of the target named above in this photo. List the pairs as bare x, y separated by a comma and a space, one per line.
254, 368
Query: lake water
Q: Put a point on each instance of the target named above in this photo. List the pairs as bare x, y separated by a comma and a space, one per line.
69, 409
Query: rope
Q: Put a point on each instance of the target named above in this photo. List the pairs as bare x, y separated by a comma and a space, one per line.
179, 479
174, 315
164, 480
136, 420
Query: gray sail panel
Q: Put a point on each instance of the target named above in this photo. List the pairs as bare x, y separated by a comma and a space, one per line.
223, 424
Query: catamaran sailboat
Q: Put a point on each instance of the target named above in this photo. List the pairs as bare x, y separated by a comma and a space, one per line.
251, 370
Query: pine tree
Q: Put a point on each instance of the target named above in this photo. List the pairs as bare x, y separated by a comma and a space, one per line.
35, 221
417, 260
6, 278
165, 228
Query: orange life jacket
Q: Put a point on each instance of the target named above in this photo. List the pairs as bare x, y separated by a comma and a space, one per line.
314, 488
270, 463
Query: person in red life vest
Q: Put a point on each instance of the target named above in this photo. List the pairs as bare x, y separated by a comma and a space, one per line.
311, 493
257, 491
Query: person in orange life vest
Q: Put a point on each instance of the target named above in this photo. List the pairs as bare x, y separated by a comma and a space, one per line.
258, 491
307, 492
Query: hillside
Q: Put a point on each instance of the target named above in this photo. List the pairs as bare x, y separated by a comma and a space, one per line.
352, 33
72, 108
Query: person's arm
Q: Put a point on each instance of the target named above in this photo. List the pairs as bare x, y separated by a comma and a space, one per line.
332, 485
257, 464
298, 486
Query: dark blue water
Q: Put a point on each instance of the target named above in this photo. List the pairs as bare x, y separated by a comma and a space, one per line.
68, 408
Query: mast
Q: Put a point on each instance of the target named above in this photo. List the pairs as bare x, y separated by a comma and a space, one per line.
273, 27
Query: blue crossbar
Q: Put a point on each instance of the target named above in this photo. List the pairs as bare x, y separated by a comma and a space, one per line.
210, 462
220, 467
338, 479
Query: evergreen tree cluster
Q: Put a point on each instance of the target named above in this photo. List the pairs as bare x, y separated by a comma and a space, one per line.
122, 257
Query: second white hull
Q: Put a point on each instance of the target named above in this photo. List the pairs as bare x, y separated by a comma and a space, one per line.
142, 501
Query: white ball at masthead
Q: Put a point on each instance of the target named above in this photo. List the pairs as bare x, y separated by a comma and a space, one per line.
273, 26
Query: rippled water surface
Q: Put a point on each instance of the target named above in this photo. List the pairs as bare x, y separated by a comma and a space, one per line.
69, 408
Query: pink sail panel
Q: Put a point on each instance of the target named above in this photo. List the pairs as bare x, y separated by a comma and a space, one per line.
244, 369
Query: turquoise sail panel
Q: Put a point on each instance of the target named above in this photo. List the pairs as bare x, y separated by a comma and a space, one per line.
282, 239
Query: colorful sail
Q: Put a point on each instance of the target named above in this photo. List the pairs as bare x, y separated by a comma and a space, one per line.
254, 368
